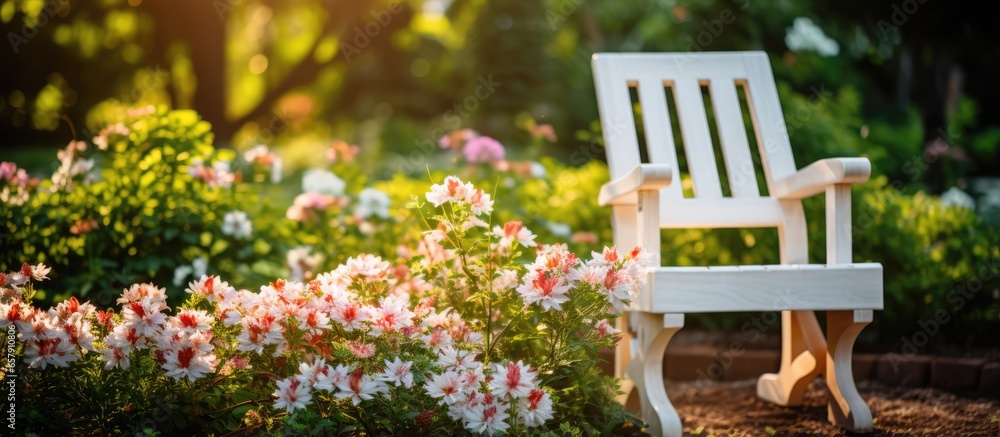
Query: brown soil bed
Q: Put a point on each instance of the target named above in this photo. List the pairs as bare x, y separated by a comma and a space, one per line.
732, 409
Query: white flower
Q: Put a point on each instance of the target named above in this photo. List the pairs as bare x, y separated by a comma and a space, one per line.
276, 169
237, 224
513, 231
292, 394
397, 372
535, 409
537, 170
561, 230
487, 418
323, 181
181, 273
505, 280
359, 387
515, 380
605, 329
224, 177
547, 290
453, 189
450, 358
200, 265
804, 35
372, 202
311, 374
302, 261
958, 198
445, 386
115, 356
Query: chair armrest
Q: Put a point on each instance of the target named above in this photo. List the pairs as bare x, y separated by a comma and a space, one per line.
817, 176
644, 177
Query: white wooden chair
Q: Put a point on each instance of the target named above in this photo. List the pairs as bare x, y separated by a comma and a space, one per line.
645, 198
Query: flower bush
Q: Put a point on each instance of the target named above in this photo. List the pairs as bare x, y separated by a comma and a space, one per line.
461, 336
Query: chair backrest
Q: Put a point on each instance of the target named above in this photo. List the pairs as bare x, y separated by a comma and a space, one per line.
685, 74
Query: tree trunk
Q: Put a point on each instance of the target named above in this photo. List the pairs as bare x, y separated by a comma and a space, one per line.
201, 26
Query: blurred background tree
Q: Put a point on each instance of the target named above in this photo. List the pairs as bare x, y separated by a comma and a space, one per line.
299, 72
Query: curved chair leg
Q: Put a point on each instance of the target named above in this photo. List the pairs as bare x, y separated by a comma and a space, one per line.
846, 407
654, 332
802, 359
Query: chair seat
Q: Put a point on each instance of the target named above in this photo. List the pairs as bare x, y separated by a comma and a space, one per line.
762, 288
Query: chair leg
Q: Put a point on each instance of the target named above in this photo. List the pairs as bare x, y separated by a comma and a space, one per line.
846, 407
802, 359
623, 356
654, 333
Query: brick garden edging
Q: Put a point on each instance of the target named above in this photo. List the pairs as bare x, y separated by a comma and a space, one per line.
689, 362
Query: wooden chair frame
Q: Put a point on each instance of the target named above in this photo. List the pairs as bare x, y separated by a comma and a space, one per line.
645, 198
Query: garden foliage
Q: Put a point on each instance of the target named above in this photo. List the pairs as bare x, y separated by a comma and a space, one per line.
460, 336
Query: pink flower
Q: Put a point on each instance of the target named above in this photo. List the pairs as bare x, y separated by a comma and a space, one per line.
191, 320
391, 315
617, 285
455, 191
609, 257
535, 409
187, 353
436, 339
515, 380
456, 138
450, 358
505, 280
589, 273
351, 315
115, 356
315, 322
445, 386
397, 372
479, 202
258, 332
188, 362
310, 374
547, 290
605, 329
471, 378
144, 317
513, 231
307, 204
291, 395
370, 267
554, 257
359, 387
543, 131
342, 151
452, 190
239, 363
583, 237
37, 272
361, 350
157, 297
483, 149
213, 288
487, 417
51, 347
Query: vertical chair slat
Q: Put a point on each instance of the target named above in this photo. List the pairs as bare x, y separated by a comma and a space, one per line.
697, 140
659, 136
615, 109
768, 120
733, 135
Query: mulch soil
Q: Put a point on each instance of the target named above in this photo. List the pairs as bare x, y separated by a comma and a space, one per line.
732, 409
